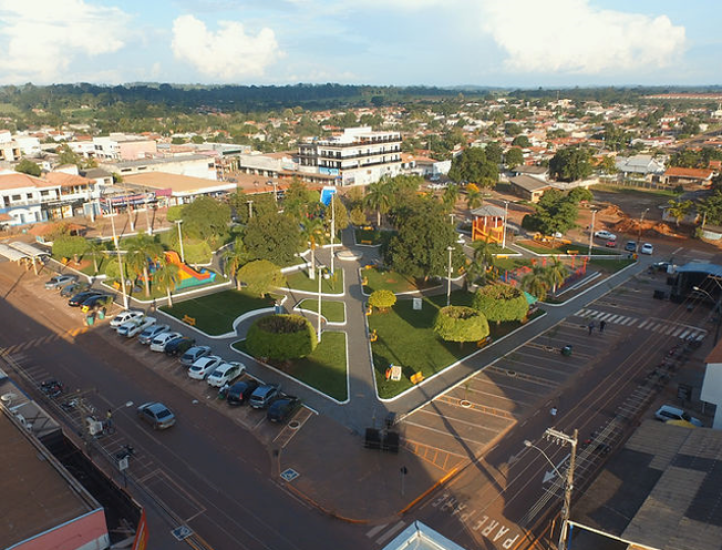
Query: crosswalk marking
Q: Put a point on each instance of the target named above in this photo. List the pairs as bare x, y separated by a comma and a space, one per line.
372, 532
391, 532
668, 328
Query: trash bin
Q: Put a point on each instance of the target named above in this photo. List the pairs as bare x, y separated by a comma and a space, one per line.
89, 320
567, 350
101, 314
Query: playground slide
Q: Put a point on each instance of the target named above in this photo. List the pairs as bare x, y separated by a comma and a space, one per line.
173, 258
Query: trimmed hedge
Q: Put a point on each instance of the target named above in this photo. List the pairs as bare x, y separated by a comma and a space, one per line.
461, 324
500, 302
281, 337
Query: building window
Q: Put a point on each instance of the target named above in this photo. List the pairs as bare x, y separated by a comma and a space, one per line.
15, 198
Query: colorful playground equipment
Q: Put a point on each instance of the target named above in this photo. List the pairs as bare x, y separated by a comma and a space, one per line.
189, 277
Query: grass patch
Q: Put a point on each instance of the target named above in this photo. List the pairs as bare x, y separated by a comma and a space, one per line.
633, 190
215, 313
564, 248
300, 281
406, 338
381, 279
334, 312
325, 369
611, 265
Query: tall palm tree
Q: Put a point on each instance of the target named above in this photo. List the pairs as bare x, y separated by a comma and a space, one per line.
536, 282
678, 209
95, 248
557, 273
314, 233
482, 256
379, 197
141, 251
474, 198
234, 258
166, 277
451, 194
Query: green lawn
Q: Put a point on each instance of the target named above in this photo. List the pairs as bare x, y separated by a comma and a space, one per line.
611, 265
215, 313
372, 236
406, 338
390, 280
300, 281
564, 248
334, 312
325, 369
634, 190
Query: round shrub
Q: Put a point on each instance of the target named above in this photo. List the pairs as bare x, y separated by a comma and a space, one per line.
281, 337
500, 303
460, 324
382, 299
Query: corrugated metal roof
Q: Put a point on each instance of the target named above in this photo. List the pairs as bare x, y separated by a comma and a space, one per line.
29, 249
11, 254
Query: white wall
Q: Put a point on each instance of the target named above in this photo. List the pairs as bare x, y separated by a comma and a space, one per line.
712, 391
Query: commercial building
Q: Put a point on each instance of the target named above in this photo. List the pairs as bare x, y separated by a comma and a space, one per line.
193, 165
25, 199
172, 189
359, 156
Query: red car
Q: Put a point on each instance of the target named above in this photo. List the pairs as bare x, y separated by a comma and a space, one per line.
611, 244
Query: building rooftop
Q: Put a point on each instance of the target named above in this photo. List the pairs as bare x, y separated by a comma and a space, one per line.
529, 183
660, 491
19, 180
179, 185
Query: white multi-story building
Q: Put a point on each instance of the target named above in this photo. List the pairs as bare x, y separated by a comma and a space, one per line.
359, 156
25, 199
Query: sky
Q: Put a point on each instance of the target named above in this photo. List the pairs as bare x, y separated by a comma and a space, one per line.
504, 43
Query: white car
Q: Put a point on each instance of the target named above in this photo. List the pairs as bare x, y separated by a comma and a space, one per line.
125, 316
225, 373
606, 235
159, 342
646, 249
204, 366
136, 326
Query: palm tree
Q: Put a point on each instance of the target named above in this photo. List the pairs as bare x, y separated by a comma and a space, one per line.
167, 277
141, 251
451, 194
678, 209
379, 197
482, 256
474, 198
314, 233
536, 282
95, 248
557, 273
234, 258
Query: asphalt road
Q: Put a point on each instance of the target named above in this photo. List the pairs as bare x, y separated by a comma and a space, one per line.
206, 472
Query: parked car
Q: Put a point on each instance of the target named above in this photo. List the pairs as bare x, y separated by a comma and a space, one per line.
194, 353
283, 408
74, 288
178, 346
80, 297
157, 415
240, 392
158, 343
60, 280
136, 326
667, 412
94, 302
204, 366
126, 316
146, 337
605, 235
611, 244
262, 396
225, 373
631, 246
646, 249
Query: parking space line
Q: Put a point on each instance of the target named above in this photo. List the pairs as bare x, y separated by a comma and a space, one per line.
452, 436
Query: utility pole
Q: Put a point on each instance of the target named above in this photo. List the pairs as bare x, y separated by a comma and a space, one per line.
333, 229
591, 234
639, 230
120, 262
562, 438
503, 238
448, 279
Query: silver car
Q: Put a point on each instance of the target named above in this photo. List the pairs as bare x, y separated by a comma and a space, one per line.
193, 354
60, 280
146, 337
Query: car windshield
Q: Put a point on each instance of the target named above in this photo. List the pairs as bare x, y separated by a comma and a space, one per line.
163, 414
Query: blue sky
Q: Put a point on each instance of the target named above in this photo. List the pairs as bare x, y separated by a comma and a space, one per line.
525, 43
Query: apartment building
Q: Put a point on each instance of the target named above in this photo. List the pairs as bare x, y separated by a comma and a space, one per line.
358, 156
25, 199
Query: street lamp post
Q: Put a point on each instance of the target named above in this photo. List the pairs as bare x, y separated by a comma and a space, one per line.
120, 262
250, 209
717, 311
448, 279
320, 276
591, 234
333, 230
503, 237
180, 240
639, 229
561, 437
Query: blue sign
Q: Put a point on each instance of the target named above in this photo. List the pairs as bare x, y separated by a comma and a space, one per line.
326, 195
289, 475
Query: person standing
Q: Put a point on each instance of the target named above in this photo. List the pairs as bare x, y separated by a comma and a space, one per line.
590, 326
602, 324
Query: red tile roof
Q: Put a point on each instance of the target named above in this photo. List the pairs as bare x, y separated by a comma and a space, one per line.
696, 173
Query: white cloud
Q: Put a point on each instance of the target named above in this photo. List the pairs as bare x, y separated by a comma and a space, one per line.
227, 54
572, 36
39, 39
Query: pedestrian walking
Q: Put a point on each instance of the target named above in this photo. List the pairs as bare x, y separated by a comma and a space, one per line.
602, 324
591, 326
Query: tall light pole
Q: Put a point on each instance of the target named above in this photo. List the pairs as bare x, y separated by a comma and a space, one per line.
180, 240
450, 249
275, 190
320, 276
120, 262
639, 229
250, 209
333, 230
591, 234
148, 228
503, 238
562, 438
717, 310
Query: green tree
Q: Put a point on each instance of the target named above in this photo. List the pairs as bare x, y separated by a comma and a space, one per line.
261, 276
514, 157
358, 216
579, 194
678, 209
555, 212
472, 165
494, 153
557, 273
481, 260
66, 155
382, 299
26, 166
339, 213
474, 198
298, 200
501, 303
273, 237
711, 208
281, 337
235, 257
206, 219
450, 196
68, 246
460, 324
571, 164
175, 213
166, 277
379, 197
314, 233
141, 250
521, 141
95, 248
536, 282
